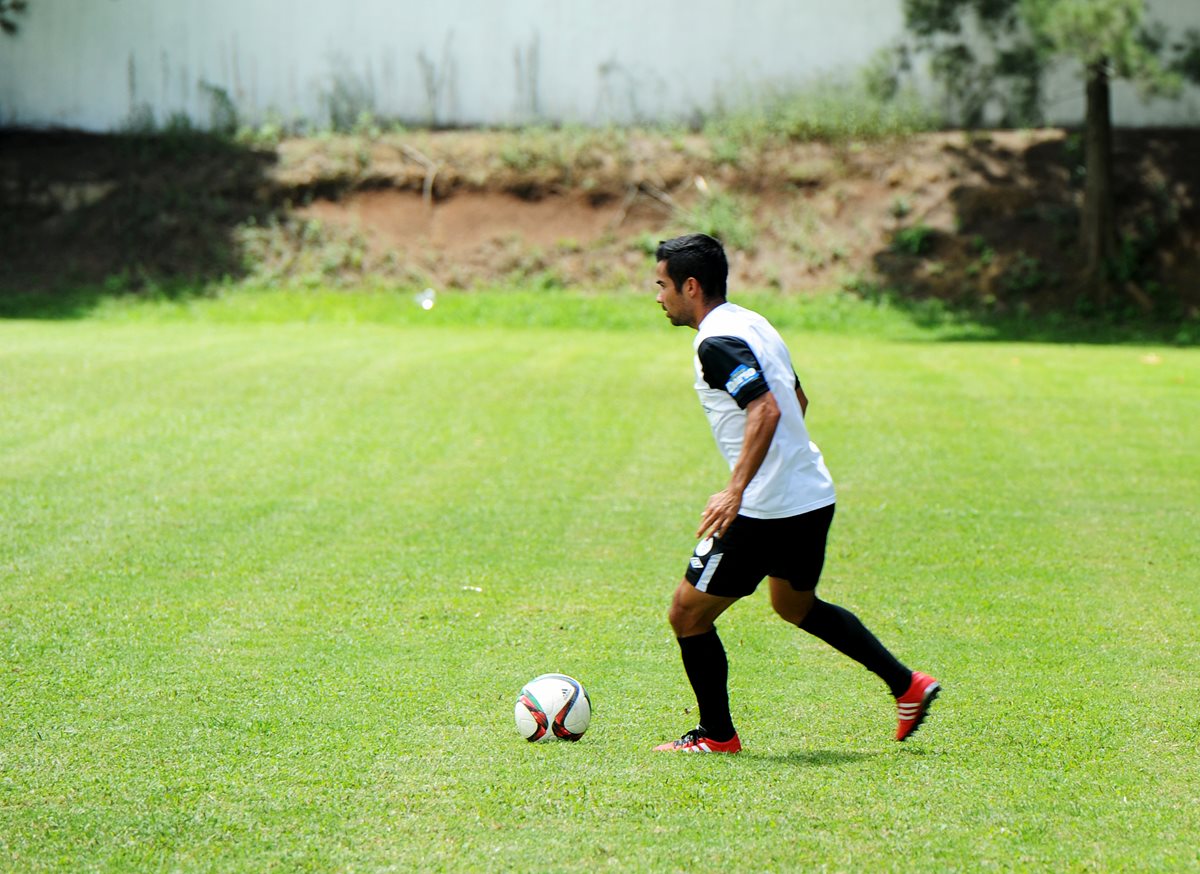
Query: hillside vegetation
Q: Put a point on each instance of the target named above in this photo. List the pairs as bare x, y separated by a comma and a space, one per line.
986, 222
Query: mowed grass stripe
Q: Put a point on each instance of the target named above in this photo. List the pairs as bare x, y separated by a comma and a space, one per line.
1057, 499
277, 664
213, 639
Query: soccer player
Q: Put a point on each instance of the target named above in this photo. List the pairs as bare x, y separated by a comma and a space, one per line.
773, 518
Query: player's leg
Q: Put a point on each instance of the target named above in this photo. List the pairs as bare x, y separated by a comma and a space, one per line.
693, 612
841, 629
721, 570
692, 615
793, 581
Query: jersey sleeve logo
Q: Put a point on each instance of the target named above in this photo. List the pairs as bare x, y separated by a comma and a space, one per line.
738, 380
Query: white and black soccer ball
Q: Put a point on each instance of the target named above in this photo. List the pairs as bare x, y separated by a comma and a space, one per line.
553, 706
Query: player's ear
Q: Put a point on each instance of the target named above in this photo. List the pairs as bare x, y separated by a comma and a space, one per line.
691, 287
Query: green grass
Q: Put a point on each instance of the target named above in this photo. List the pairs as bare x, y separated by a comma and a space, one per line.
239, 631
829, 110
860, 308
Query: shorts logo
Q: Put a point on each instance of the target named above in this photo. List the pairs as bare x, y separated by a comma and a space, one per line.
697, 563
741, 375
704, 547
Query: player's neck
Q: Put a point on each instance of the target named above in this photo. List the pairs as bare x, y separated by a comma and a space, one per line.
706, 308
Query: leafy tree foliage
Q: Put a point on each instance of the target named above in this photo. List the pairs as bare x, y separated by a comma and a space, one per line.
993, 54
9, 9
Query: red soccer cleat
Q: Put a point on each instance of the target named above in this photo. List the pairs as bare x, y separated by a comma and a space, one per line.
914, 704
695, 742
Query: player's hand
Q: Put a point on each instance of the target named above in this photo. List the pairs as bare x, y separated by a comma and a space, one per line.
718, 515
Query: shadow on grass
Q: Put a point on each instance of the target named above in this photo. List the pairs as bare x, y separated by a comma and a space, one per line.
1122, 326
87, 217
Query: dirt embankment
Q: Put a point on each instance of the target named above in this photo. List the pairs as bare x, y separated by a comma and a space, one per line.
978, 219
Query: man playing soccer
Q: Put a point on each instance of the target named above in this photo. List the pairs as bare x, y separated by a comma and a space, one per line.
773, 517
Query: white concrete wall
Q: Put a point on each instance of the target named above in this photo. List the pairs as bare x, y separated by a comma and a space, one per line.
97, 64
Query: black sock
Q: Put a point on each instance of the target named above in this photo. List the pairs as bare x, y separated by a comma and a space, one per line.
842, 630
708, 671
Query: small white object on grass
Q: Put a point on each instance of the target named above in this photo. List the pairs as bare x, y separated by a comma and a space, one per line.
427, 299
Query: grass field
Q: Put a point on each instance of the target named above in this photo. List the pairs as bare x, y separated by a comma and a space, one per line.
268, 590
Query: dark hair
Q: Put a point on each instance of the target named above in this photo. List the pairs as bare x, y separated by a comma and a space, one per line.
698, 256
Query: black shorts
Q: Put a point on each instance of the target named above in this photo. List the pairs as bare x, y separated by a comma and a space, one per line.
793, 549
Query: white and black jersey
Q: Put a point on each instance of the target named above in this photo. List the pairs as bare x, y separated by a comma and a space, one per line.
740, 356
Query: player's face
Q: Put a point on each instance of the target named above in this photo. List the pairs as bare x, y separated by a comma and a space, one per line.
673, 302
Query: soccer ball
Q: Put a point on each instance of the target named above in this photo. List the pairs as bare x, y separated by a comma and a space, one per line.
553, 706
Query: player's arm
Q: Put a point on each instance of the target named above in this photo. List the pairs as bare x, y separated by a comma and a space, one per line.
762, 417
729, 365
801, 396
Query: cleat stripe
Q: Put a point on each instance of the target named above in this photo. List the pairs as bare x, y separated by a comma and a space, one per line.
910, 724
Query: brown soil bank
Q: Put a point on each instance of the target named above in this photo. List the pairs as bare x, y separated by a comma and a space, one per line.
985, 220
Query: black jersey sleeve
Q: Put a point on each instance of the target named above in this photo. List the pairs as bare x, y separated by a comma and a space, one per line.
729, 365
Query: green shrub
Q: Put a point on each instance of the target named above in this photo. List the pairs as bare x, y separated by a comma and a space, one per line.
913, 240
723, 216
828, 111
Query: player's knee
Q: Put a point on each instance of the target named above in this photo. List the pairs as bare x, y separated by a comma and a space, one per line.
794, 608
679, 619
791, 615
685, 622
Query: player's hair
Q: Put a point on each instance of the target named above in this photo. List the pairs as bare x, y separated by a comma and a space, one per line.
698, 256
